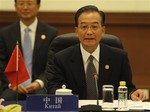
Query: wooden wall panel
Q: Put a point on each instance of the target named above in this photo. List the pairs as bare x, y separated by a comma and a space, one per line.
132, 28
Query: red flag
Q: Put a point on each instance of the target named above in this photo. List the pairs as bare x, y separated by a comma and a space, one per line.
16, 65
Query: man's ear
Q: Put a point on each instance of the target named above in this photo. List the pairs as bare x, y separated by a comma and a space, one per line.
103, 30
76, 31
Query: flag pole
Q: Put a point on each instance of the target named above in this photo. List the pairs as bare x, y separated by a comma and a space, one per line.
17, 72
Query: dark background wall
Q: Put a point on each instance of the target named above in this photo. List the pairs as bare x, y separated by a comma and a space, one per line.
132, 28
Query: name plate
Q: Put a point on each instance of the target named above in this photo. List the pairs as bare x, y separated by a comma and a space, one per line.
48, 102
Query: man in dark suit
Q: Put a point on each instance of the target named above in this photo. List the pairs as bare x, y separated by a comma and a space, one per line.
41, 36
70, 65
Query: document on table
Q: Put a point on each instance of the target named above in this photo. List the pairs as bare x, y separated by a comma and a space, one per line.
139, 105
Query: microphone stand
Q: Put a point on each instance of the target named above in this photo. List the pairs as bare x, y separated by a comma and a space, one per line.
96, 78
92, 108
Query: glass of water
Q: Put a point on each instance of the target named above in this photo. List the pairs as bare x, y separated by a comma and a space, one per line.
108, 97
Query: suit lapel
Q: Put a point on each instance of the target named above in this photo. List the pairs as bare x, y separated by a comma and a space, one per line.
76, 64
38, 40
105, 66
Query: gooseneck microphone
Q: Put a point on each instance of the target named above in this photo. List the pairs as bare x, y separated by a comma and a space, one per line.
89, 107
97, 93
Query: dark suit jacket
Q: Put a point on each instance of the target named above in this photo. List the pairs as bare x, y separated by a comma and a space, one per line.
68, 69
11, 34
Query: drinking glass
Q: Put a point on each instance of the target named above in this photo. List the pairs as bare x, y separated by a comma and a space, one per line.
108, 97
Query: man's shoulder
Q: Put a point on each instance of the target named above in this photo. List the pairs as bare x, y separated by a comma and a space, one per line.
69, 50
113, 49
10, 27
47, 27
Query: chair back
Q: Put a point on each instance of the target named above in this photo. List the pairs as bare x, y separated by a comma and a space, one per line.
66, 40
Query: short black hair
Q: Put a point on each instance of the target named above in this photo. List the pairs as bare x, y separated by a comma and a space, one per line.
89, 8
37, 1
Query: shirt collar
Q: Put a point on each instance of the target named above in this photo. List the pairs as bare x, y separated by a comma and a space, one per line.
85, 54
33, 26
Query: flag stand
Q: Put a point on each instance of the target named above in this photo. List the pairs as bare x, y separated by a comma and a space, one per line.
17, 87
17, 73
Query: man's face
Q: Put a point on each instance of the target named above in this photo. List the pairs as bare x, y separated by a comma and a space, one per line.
90, 30
27, 9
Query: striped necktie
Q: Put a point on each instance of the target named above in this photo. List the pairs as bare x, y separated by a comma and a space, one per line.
90, 80
27, 53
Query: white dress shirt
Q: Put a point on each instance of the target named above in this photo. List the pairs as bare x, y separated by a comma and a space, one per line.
95, 54
32, 34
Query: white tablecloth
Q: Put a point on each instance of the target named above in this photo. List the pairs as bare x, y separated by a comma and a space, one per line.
131, 104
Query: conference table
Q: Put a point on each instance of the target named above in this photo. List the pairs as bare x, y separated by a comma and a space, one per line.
134, 106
